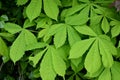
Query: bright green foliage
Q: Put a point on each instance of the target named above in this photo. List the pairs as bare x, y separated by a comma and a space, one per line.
52, 64
21, 2
33, 9
59, 40
12, 28
51, 9
105, 75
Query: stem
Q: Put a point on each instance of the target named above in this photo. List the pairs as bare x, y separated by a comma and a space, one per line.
1, 66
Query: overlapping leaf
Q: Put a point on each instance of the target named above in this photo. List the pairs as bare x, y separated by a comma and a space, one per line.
51, 65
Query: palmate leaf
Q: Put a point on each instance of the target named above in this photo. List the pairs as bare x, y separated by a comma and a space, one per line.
52, 64
33, 9
93, 60
12, 28
51, 9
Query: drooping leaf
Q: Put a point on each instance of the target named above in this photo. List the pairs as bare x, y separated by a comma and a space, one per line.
33, 9
21, 2
85, 30
105, 25
80, 47
51, 9
105, 75
12, 28
93, 59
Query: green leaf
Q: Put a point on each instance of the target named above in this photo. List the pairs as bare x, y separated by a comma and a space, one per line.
105, 25
17, 49
93, 59
36, 46
33, 9
115, 31
58, 40
78, 19
46, 68
106, 54
21, 2
105, 75
35, 59
115, 70
73, 36
51, 9
12, 28
4, 50
58, 63
28, 24
29, 38
85, 30
80, 47
74, 9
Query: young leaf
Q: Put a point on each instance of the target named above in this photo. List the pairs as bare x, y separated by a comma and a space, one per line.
73, 36
12, 28
21, 2
33, 9
78, 19
93, 59
85, 30
58, 40
18, 48
79, 48
105, 25
51, 9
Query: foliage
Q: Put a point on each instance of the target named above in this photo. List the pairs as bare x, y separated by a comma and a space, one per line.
59, 40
